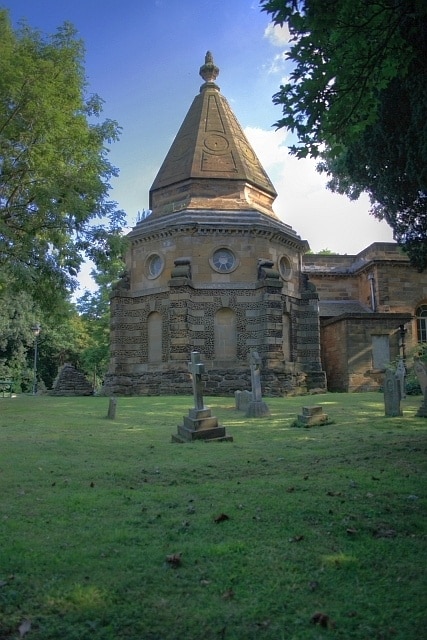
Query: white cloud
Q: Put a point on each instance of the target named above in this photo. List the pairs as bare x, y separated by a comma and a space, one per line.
327, 220
277, 35
277, 64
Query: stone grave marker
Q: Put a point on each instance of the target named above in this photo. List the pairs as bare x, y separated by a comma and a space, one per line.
257, 407
112, 406
422, 411
421, 373
242, 399
200, 424
312, 416
392, 395
401, 377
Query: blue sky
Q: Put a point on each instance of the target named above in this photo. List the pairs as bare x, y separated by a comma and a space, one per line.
143, 59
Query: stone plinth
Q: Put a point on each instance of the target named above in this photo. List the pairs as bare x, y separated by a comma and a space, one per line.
257, 409
312, 416
200, 424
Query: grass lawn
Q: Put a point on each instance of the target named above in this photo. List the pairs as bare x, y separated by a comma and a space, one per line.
109, 531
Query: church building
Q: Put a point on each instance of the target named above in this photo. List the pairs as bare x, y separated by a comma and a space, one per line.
213, 269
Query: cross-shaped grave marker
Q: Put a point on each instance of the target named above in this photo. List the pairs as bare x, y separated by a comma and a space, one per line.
196, 368
200, 424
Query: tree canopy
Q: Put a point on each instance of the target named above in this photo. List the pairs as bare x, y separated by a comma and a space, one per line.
54, 167
357, 101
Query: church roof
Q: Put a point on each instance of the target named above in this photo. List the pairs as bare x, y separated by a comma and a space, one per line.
211, 163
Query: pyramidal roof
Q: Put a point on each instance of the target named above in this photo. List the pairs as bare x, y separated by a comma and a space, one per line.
211, 164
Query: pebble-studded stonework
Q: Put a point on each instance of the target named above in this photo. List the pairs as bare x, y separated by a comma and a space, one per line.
188, 324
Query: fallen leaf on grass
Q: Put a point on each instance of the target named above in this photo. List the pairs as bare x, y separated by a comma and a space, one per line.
323, 620
174, 559
385, 533
351, 531
221, 518
296, 539
264, 624
24, 628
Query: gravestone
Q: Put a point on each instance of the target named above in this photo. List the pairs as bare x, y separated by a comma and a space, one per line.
242, 399
200, 424
312, 416
421, 373
401, 377
391, 395
422, 411
257, 406
112, 406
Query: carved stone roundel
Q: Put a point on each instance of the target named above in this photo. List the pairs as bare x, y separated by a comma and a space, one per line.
216, 143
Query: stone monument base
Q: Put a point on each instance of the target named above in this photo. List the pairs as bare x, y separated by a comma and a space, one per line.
200, 424
312, 416
257, 409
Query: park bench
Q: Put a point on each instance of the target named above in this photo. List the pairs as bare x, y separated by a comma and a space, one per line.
6, 386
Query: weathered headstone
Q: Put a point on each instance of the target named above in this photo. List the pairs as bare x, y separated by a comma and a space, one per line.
391, 395
422, 411
257, 406
401, 377
200, 424
112, 406
242, 399
312, 416
421, 373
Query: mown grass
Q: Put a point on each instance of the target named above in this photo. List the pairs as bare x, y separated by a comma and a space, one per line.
324, 520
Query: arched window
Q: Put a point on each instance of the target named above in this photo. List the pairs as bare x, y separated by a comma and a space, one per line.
225, 334
286, 337
154, 332
421, 315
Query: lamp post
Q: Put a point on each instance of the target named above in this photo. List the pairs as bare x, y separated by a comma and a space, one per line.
36, 330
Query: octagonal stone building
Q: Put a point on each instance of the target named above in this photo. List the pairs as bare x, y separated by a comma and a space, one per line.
213, 269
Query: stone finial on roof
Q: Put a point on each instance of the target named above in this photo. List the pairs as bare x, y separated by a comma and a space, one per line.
209, 71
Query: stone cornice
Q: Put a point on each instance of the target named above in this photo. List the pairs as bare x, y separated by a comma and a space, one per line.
217, 223
400, 318
353, 270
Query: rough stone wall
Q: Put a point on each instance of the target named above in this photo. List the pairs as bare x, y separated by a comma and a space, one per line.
71, 382
347, 350
217, 382
188, 324
335, 356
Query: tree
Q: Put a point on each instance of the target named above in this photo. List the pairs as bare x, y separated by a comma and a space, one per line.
94, 310
54, 169
357, 101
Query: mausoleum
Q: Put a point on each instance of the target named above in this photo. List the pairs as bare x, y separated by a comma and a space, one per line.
212, 269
